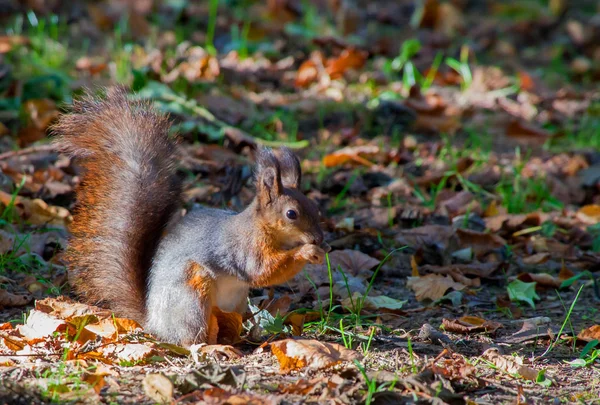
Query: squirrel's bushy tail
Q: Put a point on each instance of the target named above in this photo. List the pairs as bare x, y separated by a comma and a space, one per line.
128, 193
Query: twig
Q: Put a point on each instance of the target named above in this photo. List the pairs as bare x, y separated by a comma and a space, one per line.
27, 151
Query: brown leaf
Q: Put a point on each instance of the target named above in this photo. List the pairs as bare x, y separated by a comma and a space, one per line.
456, 368
229, 326
129, 352
96, 379
589, 214
158, 387
532, 328
279, 306
443, 123
109, 328
481, 243
432, 286
8, 299
308, 73
522, 129
352, 154
312, 354
352, 262
470, 324
537, 258
510, 364
589, 334
38, 212
459, 204
348, 59
67, 309
296, 321
221, 351
542, 279
483, 270
218, 395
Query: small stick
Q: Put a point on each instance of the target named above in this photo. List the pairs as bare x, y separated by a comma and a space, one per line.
27, 151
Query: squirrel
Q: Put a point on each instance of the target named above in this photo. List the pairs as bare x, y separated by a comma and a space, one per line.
133, 252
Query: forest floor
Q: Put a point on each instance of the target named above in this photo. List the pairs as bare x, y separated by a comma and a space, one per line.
453, 146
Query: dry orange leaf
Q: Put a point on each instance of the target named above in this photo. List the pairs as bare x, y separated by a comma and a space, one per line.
348, 59
308, 73
218, 395
470, 324
96, 379
432, 286
228, 326
312, 354
589, 334
37, 212
589, 214
352, 154
522, 129
226, 351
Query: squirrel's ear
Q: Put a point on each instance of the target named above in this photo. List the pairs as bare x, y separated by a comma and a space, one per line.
268, 176
291, 173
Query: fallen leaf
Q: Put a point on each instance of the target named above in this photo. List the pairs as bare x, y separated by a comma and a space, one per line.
481, 243
308, 73
128, 352
537, 258
8, 299
352, 154
158, 387
432, 286
589, 334
522, 129
38, 212
312, 354
510, 364
40, 325
456, 368
279, 306
219, 351
218, 395
348, 59
352, 262
65, 308
533, 328
470, 324
542, 279
589, 214
96, 378
228, 324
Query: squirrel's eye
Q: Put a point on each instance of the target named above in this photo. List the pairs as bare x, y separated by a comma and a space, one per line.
291, 214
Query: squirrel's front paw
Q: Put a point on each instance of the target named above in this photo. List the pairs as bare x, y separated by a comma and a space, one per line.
312, 254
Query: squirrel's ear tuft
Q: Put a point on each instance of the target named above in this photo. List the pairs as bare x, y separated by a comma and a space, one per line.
268, 177
291, 173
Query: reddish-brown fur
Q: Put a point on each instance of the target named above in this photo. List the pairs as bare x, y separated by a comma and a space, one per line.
127, 195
